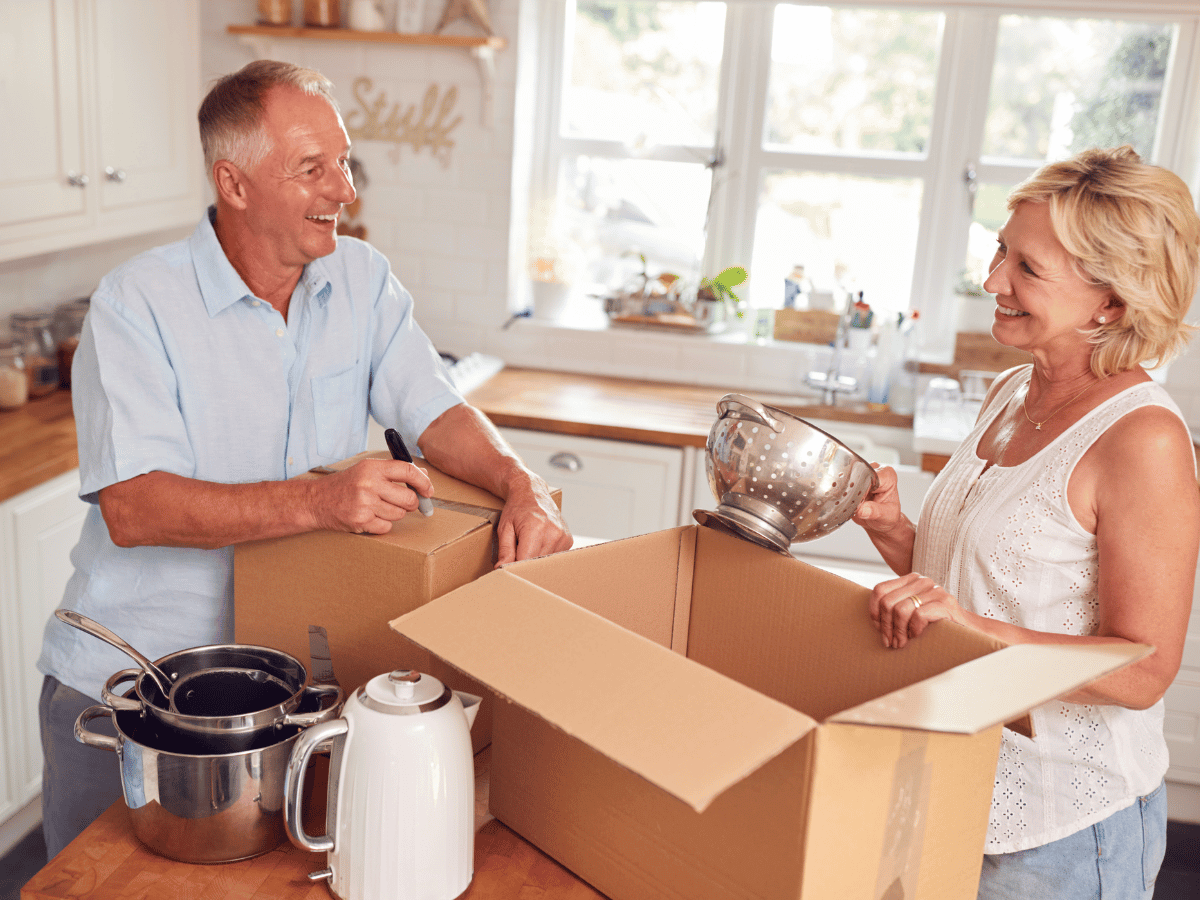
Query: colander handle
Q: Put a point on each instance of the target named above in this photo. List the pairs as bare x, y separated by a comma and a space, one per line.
740, 406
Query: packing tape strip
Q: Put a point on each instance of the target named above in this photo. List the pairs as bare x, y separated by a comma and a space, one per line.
908, 810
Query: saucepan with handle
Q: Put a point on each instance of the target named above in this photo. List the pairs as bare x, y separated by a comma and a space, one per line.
230, 692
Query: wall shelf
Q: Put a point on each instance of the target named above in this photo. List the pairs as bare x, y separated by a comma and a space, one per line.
483, 48
465, 42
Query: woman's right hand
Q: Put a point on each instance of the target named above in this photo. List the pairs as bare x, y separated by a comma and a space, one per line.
880, 512
887, 527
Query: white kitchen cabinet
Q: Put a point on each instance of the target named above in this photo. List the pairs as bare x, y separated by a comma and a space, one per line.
610, 489
38, 530
99, 101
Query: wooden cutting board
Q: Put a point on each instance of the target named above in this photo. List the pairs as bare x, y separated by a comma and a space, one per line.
107, 862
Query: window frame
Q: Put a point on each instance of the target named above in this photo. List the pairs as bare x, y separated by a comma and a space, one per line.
969, 34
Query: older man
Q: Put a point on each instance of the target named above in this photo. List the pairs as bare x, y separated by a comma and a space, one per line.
213, 370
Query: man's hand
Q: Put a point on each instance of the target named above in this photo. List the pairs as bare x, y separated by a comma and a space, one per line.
531, 524
367, 497
462, 443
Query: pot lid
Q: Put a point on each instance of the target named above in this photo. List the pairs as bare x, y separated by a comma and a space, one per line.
404, 692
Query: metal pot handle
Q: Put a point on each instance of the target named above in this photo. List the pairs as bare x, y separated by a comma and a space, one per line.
293, 784
740, 406
103, 741
324, 714
115, 701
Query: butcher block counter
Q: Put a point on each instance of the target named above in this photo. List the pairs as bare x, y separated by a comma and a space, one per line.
37, 443
107, 862
37, 440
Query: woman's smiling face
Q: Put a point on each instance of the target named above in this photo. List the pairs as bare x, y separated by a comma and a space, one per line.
1042, 302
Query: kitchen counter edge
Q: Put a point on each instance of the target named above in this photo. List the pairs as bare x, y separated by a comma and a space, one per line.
38, 439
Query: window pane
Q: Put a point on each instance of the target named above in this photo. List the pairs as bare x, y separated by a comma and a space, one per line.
1063, 85
849, 233
852, 80
617, 210
644, 73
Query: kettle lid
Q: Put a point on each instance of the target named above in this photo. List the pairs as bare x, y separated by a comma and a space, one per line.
404, 692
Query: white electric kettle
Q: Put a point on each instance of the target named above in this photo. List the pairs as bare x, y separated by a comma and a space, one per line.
400, 820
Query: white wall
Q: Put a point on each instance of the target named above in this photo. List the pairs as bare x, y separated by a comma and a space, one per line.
454, 233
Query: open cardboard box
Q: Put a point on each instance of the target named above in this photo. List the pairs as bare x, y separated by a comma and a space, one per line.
688, 715
352, 585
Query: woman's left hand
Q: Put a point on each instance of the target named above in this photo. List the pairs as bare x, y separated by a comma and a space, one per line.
905, 606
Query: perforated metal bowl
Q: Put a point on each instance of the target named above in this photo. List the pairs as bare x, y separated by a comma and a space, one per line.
780, 480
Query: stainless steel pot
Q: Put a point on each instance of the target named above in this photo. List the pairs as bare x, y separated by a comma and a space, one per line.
273, 702
194, 807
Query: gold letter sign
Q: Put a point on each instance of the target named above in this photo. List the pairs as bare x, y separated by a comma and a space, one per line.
401, 129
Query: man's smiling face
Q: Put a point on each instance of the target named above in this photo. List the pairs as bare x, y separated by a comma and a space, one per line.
297, 191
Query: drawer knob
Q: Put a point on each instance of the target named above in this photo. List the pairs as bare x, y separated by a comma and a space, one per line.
76, 180
567, 461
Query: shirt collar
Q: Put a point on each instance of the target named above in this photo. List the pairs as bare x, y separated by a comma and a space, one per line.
220, 284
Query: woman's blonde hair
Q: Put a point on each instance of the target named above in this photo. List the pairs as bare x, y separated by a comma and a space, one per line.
231, 114
1132, 228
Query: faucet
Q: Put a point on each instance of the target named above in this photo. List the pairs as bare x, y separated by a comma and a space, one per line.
829, 382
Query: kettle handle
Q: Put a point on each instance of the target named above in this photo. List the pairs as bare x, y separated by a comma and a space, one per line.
293, 783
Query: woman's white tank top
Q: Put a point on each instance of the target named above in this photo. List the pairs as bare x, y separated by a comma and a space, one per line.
1003, 540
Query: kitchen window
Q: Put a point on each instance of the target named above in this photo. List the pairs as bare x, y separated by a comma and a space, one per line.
872, 144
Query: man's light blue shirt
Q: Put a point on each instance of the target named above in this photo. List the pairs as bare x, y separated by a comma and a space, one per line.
181, 369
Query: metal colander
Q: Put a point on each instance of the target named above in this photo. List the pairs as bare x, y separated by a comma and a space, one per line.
780, 480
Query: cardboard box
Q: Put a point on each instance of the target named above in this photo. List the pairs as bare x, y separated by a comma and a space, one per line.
775, 750
354, 584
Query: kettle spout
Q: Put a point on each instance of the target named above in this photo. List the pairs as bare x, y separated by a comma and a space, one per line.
470, 704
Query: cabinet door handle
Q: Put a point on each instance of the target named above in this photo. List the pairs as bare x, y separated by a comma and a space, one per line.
567, 461
117, 175
74, 180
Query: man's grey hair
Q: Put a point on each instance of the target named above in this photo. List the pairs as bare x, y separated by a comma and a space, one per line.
231, 114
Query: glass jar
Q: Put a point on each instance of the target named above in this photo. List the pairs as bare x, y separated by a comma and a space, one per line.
33, 329
14, 386
68, 325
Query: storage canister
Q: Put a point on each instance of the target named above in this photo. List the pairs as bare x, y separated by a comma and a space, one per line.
14, 386
33, 329
68, 325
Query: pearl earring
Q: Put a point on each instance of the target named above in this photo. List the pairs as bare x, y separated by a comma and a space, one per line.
1101, 320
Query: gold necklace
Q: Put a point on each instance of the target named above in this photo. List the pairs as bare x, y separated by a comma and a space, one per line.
1038, 425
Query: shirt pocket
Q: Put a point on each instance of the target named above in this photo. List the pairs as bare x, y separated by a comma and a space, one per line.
335, 413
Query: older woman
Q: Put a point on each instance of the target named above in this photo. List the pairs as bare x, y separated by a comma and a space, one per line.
1070, 514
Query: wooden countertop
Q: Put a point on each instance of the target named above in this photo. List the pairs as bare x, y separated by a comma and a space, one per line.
626, 409
107, 862
37, 443
37, 440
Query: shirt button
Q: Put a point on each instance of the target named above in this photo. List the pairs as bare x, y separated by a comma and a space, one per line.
279, 332
291, 461
256, 303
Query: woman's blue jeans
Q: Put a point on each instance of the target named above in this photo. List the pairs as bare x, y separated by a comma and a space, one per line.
1115, 859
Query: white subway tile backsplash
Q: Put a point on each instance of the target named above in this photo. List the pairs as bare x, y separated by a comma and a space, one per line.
454, 273
458, 206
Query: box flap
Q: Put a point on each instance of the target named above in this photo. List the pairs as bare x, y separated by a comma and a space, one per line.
995, 688
685, 728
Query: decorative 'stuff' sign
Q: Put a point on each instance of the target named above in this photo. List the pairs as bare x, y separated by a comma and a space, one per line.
374, 121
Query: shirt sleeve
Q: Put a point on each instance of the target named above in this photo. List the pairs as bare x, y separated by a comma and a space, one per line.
410, 385
124, 394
